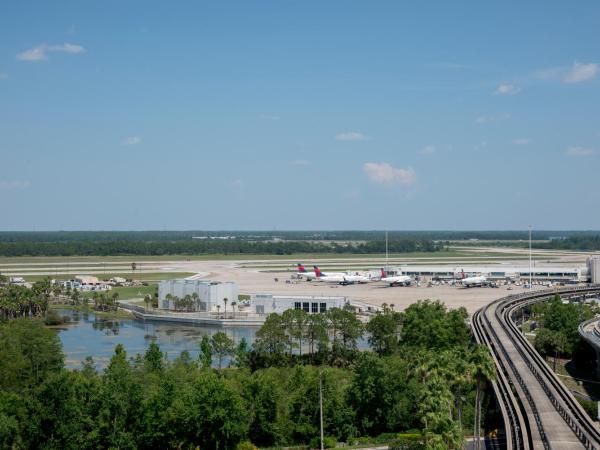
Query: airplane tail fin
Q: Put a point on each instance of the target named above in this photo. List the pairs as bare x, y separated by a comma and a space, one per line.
382, 273
301, 268
317, 271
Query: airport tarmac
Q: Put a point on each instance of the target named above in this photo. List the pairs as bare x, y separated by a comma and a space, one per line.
258, 275
375, 293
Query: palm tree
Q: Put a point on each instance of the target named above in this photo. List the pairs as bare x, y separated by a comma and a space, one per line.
225, 300
195, 299
75, 297
483, 369
147, 300
218, 310
233, 304
187, 302
56, 291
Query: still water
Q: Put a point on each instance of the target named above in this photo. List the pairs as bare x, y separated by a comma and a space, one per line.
89, 335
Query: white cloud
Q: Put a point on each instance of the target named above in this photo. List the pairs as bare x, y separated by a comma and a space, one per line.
40, 53
14, 184
581, 72
427, 150
3, 76
131, 140
521, 141
351, 136
236, 184
67, 48
579, 151
33, 54
300, 162
384, 174
507, 89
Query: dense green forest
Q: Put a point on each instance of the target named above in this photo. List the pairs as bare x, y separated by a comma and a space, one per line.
584, 242
105, 243
339, 235
420, 386
208, 247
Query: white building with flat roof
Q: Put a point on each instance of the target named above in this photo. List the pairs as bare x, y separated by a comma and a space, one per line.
210, 296
593, 264
497, 271
269, 303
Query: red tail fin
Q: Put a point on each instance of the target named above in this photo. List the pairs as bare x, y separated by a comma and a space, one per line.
383, 273
301, 268
317, 271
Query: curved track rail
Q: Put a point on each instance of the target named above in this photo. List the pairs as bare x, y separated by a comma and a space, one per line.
539, 411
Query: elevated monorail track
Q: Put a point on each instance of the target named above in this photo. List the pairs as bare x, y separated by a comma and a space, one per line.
539, 412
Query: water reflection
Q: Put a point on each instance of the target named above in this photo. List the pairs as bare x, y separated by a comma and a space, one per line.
89, 335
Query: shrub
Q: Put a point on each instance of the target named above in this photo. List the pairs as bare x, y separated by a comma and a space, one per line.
246, 445
53, 318
328, 442
589, 406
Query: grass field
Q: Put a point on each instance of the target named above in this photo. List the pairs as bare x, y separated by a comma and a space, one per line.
150, 277
452, 253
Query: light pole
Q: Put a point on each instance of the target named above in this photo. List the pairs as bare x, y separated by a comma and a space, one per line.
530, 275
386, 252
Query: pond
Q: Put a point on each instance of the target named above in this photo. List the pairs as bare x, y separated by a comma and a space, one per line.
90, 335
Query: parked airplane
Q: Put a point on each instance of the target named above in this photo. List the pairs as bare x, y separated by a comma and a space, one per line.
339, 277
302, 272
473, 281
396, 280
316, 274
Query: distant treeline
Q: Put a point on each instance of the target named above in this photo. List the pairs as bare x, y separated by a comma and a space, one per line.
340, 235
587, 243
208, 247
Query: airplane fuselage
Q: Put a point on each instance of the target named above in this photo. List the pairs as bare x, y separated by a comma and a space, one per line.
474, 281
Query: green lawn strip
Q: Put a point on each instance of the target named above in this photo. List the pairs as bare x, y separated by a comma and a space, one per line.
215, 257
150, 277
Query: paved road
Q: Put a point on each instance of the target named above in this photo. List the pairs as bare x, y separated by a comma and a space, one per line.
553, 425
539, 411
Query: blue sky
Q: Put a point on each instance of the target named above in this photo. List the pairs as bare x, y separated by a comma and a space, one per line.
299, 115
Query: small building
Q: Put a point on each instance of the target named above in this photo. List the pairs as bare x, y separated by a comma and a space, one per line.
86, 280
208, 296
118, 280
264, 304
85, 283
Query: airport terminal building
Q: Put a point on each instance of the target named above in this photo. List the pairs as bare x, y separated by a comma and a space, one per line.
505, 272
265, 304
